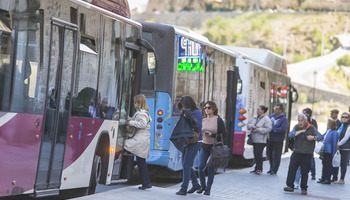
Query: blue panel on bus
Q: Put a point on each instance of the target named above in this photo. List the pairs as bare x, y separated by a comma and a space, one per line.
162, 123
150, 103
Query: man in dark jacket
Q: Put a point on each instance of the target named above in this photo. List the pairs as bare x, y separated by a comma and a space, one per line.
334, 115
277, 135
304, 135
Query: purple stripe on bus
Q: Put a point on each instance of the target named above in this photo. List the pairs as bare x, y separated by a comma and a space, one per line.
20, 140
75, 146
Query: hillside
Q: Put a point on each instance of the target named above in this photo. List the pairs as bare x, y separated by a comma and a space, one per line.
301, 33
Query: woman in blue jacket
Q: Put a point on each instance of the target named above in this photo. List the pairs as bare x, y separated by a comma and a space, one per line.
189, 151
330, 147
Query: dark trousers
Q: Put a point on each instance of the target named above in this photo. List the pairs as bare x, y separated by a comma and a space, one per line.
141, 164
258, 149
327, 167
296, 160
343, 163
274, 153
188, 155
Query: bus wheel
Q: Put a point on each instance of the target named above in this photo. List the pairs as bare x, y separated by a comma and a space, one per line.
95, 174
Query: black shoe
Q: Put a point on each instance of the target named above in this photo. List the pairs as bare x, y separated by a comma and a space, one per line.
193, 189
145, 187
200, 190
268, 172
181, 192
272, 173
320, 181
326, 182
313, 178
288, 189
206, 192
303, 191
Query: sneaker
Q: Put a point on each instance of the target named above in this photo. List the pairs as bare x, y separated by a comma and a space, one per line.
252, 171
303, 191
268, 172
258, 172
273, 173
313, 178
339, 182
296, 186
193, 189
181, 192
288, 189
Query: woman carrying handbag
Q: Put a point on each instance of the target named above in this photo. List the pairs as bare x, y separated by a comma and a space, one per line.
211, 126
139, 145
260, 126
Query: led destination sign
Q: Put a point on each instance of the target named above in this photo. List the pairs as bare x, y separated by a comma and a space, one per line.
189, 55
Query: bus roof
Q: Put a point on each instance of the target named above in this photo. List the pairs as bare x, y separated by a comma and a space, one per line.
264, 57
201, 39
102, 8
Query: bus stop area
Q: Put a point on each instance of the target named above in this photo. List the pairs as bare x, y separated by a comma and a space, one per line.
239, 184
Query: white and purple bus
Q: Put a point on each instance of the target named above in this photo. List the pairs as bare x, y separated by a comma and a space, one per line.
68, 71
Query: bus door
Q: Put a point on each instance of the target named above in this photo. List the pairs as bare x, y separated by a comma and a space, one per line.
61, 61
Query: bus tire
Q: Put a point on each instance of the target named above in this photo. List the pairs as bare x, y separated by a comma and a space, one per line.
95, 174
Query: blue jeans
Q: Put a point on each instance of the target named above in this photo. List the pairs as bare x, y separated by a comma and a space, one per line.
188, 155
203, 158
313, 167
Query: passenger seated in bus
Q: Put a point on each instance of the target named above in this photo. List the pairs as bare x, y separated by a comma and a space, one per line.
106, 112
81, 103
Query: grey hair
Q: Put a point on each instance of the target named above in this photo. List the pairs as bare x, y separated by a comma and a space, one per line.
302, 115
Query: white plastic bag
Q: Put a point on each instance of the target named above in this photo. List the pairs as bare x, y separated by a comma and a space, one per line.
319, 147
336, 159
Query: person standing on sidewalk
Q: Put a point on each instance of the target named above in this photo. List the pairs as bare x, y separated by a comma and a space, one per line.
334, 116
304, 135
189, 151
139, 145
277, 135
260, 126
344, 147
308, 113
213, 126
329, 149
345, 117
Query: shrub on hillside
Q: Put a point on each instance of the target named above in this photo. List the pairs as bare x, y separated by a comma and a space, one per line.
344, 61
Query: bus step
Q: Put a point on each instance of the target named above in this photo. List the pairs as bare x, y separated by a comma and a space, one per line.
45, 193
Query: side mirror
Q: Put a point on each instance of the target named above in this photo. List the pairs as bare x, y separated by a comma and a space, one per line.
294, 94
151, 63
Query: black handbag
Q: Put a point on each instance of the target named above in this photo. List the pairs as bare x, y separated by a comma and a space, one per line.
220, 154
250, 140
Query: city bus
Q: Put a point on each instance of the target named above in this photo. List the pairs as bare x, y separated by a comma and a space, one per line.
189, 64
68, 72
265, 82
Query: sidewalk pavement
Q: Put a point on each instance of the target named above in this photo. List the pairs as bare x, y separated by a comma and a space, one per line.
239, 184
